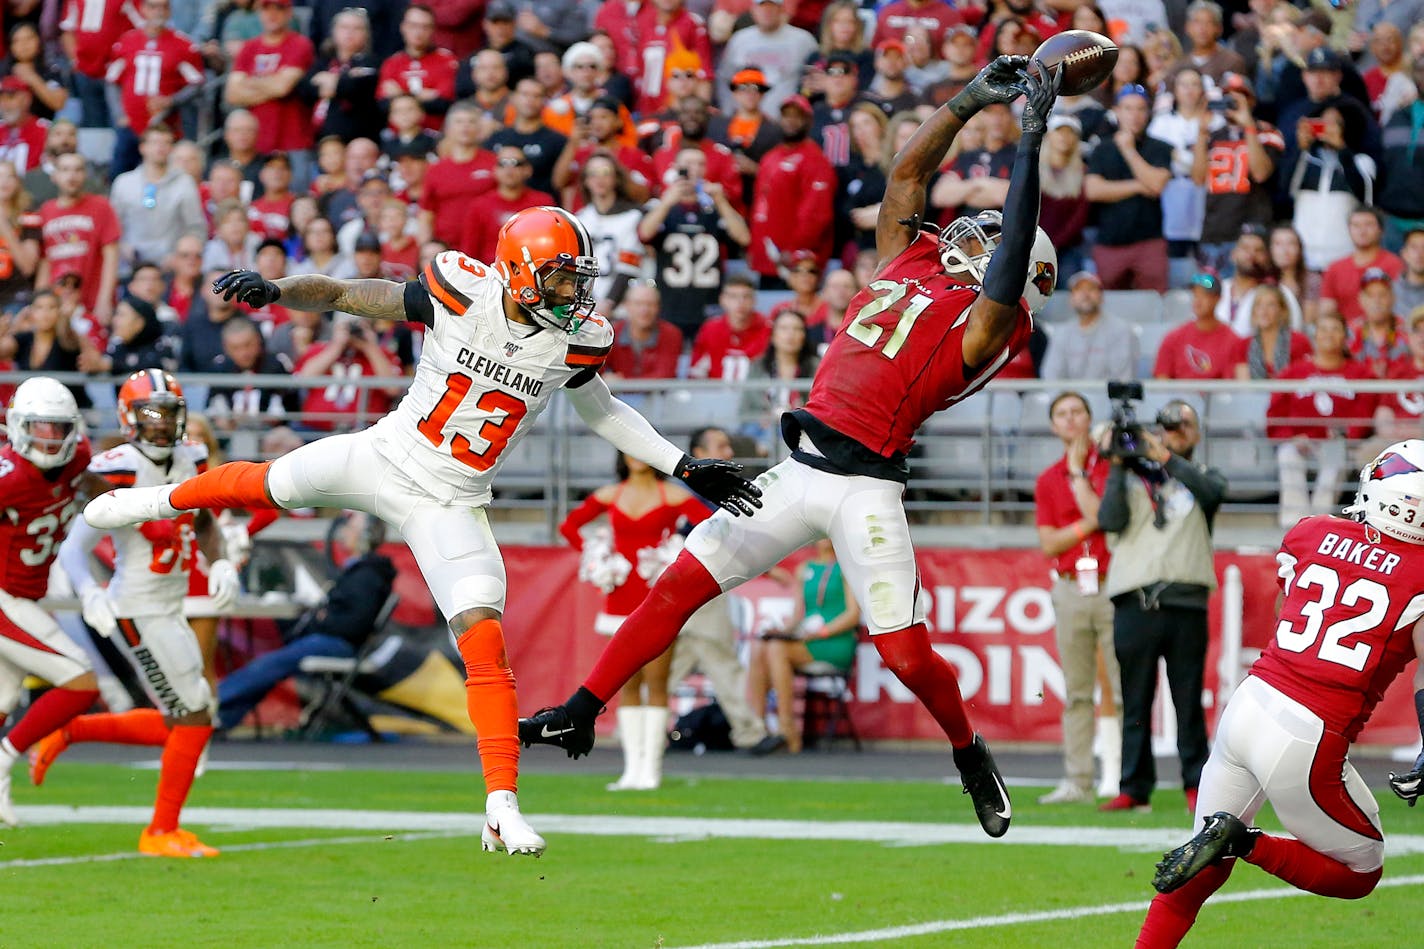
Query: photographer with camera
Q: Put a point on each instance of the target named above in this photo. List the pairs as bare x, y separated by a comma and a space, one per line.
1157, 507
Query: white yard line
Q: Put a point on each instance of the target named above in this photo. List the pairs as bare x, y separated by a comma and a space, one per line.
227, 848
1018, 919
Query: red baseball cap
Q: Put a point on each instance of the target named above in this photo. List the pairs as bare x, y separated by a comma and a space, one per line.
13, 84
884, 46
798, 102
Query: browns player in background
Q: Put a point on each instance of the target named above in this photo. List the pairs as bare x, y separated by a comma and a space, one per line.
942, 315
1351, 619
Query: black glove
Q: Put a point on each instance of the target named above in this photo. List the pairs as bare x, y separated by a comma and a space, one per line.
1040, 88
1407, 787
249, 287
719, 481
1000, 81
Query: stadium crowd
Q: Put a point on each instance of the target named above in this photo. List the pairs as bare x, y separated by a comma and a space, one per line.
1257, 163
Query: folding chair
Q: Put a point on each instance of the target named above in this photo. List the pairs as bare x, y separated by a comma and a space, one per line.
826, 705
337, 674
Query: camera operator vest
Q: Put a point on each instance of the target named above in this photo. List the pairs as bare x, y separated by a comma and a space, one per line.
1179, 551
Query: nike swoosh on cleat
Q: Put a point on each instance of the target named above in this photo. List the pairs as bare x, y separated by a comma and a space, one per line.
546, 733
1008, 810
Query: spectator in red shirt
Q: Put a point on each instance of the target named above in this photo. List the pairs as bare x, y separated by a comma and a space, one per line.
465, 172
511, 194
662, 27
795, 198
1400, 415
88, 41
1340, 288
22, 136
1205, 348
693, 116
151, 65
803, 274
421, 69
620, 22
601, 131
271, 214
1377, 338
1313, 422
79, 234
726, 344
264, 79
895, 19
354, 352
399, 250
645, 346
1273, 345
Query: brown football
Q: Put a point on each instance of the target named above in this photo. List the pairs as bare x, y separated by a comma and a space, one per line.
1087, 58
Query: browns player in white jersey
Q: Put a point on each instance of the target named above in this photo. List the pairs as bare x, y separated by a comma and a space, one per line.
41, 469
1351, 619
503, 337
141, 611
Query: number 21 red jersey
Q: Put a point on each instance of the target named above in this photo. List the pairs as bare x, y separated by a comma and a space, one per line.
36, 507
1346, 625
899, 356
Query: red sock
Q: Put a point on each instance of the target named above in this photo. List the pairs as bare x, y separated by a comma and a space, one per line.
651, 628
1172, 914
235, 484
51, 711
141, 726
175, 775
491, 703
1311, 870
907, 653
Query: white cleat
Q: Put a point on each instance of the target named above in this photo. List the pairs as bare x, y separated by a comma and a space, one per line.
8, 817
506, 829
123, 507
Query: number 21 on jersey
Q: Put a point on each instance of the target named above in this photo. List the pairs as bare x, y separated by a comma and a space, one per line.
496, 433
891, 296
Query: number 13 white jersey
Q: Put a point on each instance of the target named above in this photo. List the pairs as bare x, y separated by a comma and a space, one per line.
478, 388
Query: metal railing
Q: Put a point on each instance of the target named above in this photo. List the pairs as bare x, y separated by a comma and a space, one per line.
976, 462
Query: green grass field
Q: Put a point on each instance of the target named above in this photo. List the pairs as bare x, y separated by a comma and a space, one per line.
672, 868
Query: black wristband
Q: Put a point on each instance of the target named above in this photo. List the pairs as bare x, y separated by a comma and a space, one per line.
964, 107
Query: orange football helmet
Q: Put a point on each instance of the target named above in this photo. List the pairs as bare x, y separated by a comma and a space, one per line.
152, 412
546, 257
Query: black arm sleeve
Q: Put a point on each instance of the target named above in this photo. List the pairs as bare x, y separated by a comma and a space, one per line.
418, 308
582, 378
1004, 280
1113, 512
1207, 485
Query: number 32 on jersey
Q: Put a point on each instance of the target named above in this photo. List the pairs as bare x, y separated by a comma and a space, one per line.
495, 432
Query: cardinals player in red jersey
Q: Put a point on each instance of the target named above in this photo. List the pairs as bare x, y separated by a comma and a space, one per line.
1350, 621
41, 469
942, 315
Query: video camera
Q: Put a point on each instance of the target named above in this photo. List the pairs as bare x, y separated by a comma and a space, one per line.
1128, 435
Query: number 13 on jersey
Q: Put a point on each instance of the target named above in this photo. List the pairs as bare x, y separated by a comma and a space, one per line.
496, 432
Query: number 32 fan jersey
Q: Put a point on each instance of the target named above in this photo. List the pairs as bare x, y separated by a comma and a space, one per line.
478, 387
35, 510
151, 560
899, 356
1346, 626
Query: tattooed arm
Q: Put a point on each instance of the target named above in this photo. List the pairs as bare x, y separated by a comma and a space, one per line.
374, 299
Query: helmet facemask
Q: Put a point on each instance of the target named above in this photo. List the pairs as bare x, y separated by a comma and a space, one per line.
45, 442
550, 283
157, 424
967, 244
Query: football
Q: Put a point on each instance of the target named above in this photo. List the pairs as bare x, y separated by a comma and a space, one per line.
1087, 58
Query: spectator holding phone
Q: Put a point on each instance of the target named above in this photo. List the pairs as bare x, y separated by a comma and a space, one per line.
1330, 182
1235, 160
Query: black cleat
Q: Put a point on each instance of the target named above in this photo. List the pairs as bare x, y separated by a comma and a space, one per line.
1222, 836
985, 786
556, 726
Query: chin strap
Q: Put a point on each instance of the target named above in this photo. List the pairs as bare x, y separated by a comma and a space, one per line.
917, 223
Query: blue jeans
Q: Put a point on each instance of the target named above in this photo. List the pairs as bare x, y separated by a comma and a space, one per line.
240, 692
94, 108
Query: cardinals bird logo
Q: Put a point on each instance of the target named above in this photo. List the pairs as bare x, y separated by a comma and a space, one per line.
1390, 465
1045, 277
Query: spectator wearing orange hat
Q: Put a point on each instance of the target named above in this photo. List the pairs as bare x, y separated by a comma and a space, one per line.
663, 28
584, 65
684, 77
772, 45
795, 198
889, 89
745, 129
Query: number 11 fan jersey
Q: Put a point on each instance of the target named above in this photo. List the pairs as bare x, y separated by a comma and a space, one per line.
478, 387
1346, 625
899, 355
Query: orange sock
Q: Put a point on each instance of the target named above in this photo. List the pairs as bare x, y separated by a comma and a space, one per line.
175, 776
489, 698
141, 726
235, 484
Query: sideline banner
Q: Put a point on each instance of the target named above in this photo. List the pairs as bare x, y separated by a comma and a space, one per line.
990, 616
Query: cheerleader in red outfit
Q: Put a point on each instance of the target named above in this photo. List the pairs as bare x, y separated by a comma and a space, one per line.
644, 512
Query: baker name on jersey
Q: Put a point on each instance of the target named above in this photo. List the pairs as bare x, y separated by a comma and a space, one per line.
504, 375
1360, 554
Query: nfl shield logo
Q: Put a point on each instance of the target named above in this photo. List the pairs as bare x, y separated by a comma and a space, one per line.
510, 349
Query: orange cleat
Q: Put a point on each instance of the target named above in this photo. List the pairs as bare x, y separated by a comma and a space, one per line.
173, 843
44, 752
